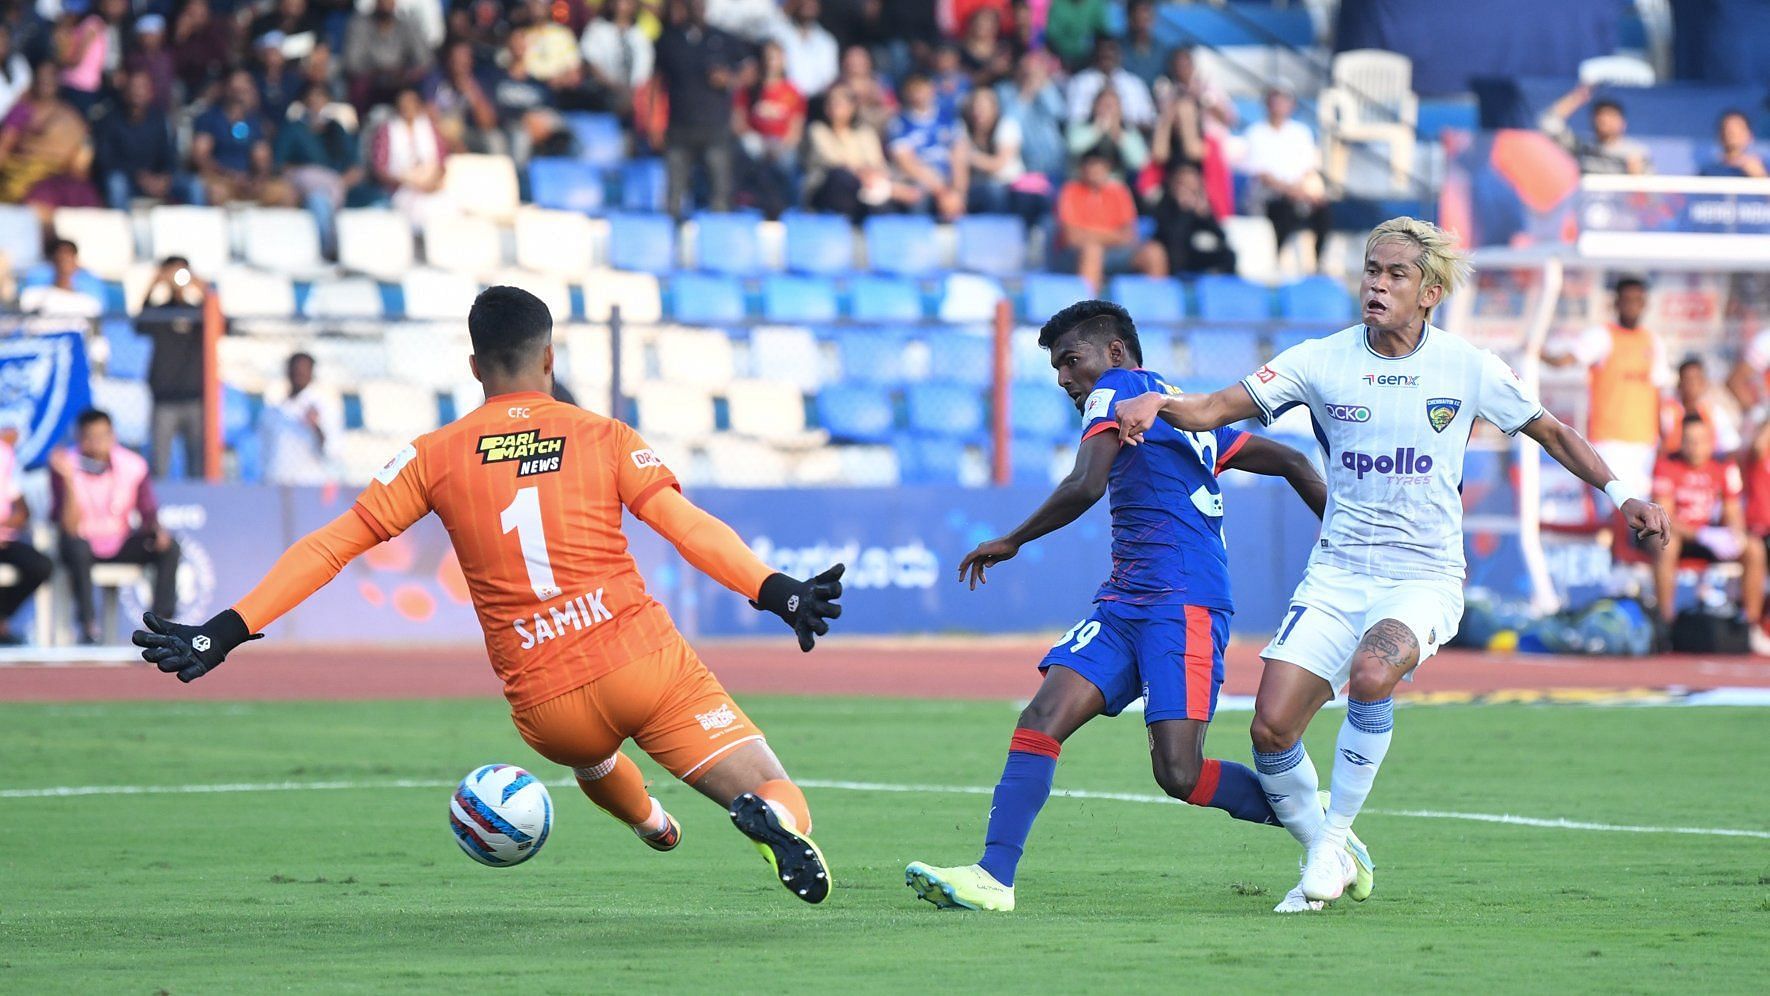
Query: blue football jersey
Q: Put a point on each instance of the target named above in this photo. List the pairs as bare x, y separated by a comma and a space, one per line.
1167, 510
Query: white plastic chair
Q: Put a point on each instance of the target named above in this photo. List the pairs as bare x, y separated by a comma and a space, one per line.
1617, 70
969, 297
695, 356
375, 241
350, 297
1255, 245
106, 239
1372, 100
463, 244
560, 243
254, 363
439, 296
252, 293
744, 463
682, 412
769, 410
552, 290
482, 185
199, 234
787, 354
282, 240
637, 295
429, 355
397, 407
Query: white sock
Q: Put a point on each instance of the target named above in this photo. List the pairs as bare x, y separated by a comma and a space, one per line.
1364, 740
1289, 780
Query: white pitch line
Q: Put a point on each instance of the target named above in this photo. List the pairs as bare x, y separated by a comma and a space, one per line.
76, 791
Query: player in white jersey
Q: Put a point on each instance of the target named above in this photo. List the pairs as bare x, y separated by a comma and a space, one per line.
1393, 401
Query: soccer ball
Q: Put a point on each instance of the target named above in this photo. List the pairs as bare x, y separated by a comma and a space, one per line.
500, 815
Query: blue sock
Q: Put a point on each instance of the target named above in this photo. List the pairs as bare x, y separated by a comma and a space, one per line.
1235, 789
1025, 785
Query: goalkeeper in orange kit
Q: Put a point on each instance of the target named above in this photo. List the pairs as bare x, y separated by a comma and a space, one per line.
531, 491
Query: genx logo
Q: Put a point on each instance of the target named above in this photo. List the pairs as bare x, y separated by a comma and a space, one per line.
1349, 413
1392, 380
1406, 462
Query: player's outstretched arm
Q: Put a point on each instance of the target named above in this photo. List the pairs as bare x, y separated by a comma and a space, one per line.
1074, 495
1188, 412
1571, 450
1271, 459
306, 567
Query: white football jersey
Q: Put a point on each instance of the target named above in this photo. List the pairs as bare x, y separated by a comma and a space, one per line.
1393, 431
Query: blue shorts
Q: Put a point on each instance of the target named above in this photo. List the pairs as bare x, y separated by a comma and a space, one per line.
1171, 655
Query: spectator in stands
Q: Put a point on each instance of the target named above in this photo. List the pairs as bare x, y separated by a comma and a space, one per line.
319, 155
1145, 57
202, 46
618, 54
15, 72
920, 144
1107, 72
61, 288
1702, 497
461, 97
319, 67
985, 53
1627, 365
406, 159
1105, 131
853, 22
230, 149
987, 164
1035, 103
908, 32
384, 51
1697, 395
135, 152
751, 20
300, 433
873, 96
82, 41
1188, 237
150, 55
957, 16
1749, 380
811, 52
845, 169
1072, 27
1179, 136
1216, 119
549, 55
1609, 150
1755, 460
44, 152
30, 567
951, 81
1737, 157
770, 123
105, 506
175, 310
1097, 225
301, 26
701, 67
1285, 163
279, 84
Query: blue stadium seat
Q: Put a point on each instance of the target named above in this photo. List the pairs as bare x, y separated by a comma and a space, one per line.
1158, 349
798, 300
929, 459
1232, 299
1029, 460
21, 235
902, 244
992, 243
856, 413
130, 353
1672, 155
707, 299
818, 243
1043, 414
1151, 300
1315, 298
944, 408
1285, 338
643, 242
644, 185
871, 356
565, 184
884, 299
600, 140
1222, 355
962, 357
726, 243
1045, 294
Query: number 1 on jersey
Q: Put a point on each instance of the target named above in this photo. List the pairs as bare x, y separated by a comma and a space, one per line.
524, 516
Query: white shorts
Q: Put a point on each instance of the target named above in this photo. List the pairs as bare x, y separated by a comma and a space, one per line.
1333, 609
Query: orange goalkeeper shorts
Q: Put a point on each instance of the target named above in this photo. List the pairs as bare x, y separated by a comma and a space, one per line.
667, 702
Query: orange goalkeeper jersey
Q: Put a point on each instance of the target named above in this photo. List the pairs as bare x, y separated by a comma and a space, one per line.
531, 492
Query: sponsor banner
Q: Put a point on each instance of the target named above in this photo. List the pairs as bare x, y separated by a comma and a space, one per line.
1687, 217
43, 386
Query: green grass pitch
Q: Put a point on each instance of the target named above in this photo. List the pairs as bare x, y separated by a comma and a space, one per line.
359, 890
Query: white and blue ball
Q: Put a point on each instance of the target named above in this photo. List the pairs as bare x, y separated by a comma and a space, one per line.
501, 815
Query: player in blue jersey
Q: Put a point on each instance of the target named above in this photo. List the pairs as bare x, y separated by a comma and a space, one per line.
1160, 622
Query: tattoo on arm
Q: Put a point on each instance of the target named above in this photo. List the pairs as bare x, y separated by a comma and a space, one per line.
1393, 643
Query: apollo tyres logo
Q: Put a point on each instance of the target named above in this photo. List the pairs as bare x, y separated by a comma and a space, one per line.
1405, 462
1348, 413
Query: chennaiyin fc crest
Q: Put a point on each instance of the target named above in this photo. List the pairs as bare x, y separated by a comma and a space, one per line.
1441, 412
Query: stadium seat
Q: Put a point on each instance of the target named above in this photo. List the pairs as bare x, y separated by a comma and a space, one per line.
1315, 299
556, 242
1045, 294
727, 243
601, 142
1284, 339
871, 357
818, 243
944, 408
787, 354
1222, 355
1150, 300
963, 357
705, 299
252, 293
1034, 460
644, 185
1045, 414
798, 299
350, 359
21, 235
1158, 350
427, 355
902, 244
281, 240
735, 462
930, 459
589, 362
767, 409
565, 185
642, 242
969, 297
129, 353
397, 408
349, 297
992, 243
636, 294
199, 234
435, 294
552, 290
884, 299
674, 411
254, 362
1028, 362
858, 413
130, 405
700, 357
1231, 299
484, 186
464, 245
106, 239
1255, 245
375, 241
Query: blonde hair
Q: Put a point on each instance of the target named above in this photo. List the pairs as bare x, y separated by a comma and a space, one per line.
1440, 261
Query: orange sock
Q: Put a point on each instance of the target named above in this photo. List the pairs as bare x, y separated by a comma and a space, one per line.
617, 786
787, 795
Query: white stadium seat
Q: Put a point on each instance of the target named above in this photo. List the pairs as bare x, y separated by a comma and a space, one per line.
1255, 245
282, 240
21, 236
397, 408
137, 278
771, 410
787, 354
433, 356
636, 294
364, 453
256, 363
743, 463
375, 241
106, 239
436, 295
969, 297
349, 297
346, 360
463, 244
130, 406
674, 411
552, 291
199, 234
590, 363
482, 185
250, 293
561, 243
695, 356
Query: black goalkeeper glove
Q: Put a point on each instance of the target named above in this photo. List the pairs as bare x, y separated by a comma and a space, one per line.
807, 606
191, 651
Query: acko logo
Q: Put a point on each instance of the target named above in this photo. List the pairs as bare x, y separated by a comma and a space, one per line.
1349, 413
1404, 462
1392, 380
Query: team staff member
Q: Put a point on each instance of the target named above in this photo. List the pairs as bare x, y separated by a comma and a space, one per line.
29, 565
531, 491
1703, 495
1627, 366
